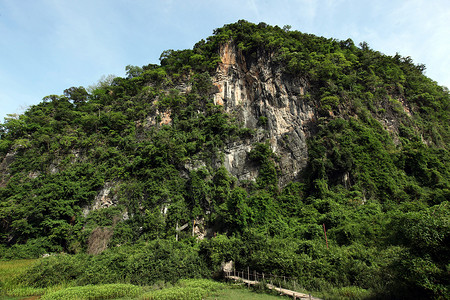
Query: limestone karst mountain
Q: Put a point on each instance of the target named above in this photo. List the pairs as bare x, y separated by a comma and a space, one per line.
256, 140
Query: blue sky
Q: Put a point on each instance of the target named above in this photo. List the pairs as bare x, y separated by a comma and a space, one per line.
47, 46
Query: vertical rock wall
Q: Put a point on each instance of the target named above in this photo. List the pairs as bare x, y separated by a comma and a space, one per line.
263, 98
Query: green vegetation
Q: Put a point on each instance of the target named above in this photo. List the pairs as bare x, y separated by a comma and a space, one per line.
10, 279
232, 293
14, 288
186, 289
105, 291
143, 264
377, 178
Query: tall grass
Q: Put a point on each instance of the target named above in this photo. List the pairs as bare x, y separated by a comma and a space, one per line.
11, 268
88, 292
187, 289
12, 283
176, 293
24, 291
183, 290
10, 273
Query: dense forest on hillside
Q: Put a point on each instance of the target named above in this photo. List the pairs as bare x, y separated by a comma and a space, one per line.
377, 175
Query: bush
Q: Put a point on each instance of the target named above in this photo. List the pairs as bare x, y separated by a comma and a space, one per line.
139, 264
348, 292
34, 248
56, 270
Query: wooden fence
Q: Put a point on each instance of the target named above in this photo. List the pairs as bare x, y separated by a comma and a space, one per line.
283, 284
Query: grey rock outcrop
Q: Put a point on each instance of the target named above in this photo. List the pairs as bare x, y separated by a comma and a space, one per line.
265, 99
4, 165
104, 199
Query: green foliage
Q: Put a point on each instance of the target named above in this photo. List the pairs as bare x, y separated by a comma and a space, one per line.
77, 94
348, 292
139, 264
425, 232
31, 249
262, 121
220, 249
263, 155
186, 289
174, 293
238, 213
329, 102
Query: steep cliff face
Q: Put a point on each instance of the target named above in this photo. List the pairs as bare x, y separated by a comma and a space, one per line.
275, 105
4, 164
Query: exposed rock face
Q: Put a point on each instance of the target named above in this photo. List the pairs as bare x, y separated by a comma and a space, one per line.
263, 98
104, 199
99, 239
4, 164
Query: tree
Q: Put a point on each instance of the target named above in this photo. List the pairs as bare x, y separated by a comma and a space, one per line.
103, 82
239, 213
76, 94
133, 71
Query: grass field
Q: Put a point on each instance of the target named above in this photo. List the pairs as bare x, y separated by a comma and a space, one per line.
11, 268
13, 289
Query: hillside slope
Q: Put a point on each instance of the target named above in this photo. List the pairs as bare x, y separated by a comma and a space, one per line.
257, 138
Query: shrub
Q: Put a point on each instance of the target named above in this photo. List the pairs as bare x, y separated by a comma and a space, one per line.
348, 292
139, 264
56, 270
32, 249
